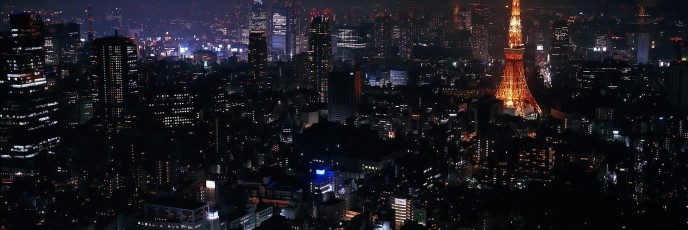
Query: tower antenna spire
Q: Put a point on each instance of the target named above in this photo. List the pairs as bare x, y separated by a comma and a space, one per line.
513, 90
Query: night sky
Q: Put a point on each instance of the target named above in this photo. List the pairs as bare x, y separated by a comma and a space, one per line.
343, 114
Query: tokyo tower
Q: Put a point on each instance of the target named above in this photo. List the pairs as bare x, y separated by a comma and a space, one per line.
513, 90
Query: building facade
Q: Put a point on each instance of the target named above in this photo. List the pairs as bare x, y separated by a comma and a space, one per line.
114, 68
27, 114
320, 53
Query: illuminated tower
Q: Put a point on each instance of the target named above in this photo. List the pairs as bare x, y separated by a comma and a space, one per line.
513, 89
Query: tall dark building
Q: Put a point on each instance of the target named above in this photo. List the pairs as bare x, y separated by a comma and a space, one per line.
173, 107
561, 48
62, 42
479, 32
343, 95
258, 56
65, 40
350, 43
382, 35
404, 39
679, 87
258, 17
320, 53
294, 27
114, 71
27, 114
279, 48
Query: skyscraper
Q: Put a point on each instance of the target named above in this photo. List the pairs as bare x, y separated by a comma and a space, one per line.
258, 56
405, 40
343, 95
560, 49
114, 71
65, 40
280, 31
479, 32
259, 16
27, 121
320, 53
679, 81
642, 48
295, 27
350, 43
513, 89
173, 107
382, 35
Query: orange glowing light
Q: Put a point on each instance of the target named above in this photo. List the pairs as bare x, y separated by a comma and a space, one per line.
513, 89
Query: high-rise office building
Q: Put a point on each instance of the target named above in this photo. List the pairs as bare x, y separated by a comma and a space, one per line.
405, 40
280, 33
560, 49
534, 160
76, 106
258, 19
114, 70
479, 32
173, 107
350, 43
343, 95
295, 27
320, 52
402, 210
27, 115
258, 56
679, 87
27, 33
61, 43
382, 35
642, 48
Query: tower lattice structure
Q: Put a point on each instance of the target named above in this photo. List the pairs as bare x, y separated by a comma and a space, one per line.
513, 89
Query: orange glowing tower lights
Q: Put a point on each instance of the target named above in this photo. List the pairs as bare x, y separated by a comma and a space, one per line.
513, 89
